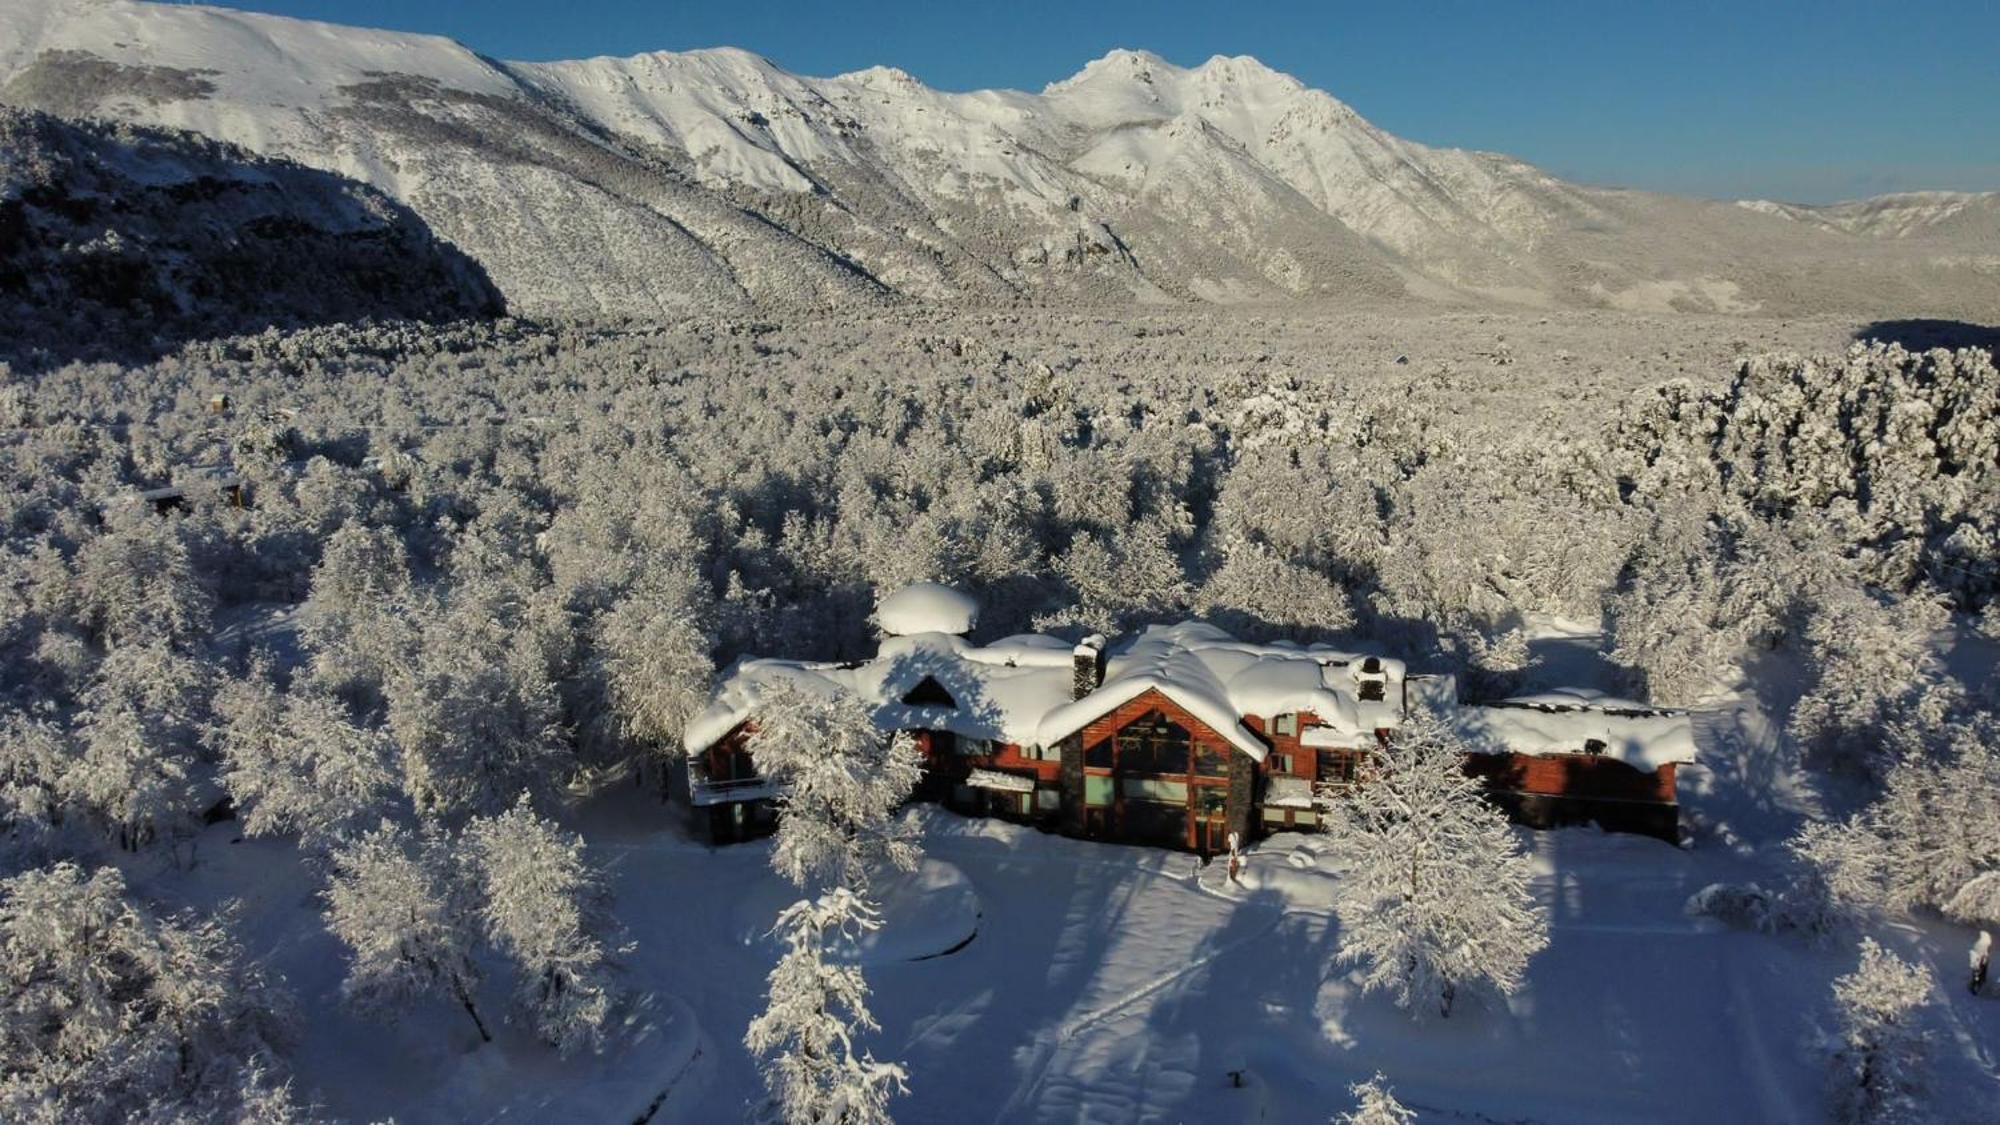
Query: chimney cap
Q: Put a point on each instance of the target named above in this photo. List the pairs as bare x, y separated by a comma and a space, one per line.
1091, 645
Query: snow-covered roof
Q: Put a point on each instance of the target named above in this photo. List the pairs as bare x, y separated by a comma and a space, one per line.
1219, 679
1002, 690
1004, 782
927, 607
1568, 721
1288, 793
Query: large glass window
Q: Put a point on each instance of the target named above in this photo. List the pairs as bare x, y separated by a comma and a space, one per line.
1153, 744
1098, 755
1211, 762
1096, 790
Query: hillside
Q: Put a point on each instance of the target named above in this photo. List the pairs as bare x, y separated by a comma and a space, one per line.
114, 235
715, 180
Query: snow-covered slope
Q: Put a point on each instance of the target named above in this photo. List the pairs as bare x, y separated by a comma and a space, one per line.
715, 179
115, 236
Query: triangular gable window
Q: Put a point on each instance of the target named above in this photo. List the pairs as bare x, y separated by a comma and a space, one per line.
929, 693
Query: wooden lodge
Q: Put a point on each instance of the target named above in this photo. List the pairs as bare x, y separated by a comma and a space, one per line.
1182, 735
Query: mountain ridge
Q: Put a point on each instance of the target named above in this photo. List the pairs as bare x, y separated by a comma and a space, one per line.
663, 182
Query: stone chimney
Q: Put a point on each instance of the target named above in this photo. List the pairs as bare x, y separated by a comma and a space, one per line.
1088, 665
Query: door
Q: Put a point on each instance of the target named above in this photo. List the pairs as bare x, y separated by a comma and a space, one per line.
1210, 835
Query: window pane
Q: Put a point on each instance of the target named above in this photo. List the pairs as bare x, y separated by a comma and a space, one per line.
1155, 790
1211, 762
1152, 821
1096, 790
1099, 755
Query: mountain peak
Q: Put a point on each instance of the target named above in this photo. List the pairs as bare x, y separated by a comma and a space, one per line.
1120, 64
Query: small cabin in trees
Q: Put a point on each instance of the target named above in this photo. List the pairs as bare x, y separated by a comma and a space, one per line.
1181, 735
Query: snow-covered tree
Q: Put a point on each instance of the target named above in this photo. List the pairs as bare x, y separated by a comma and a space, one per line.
141, 738
814, 1070
841, 780
1377, 1105
297, 761
475, 711
652, 655
1872, 660
409, 921
1433, 897
1256, 590
110, 1013
136, 583
35, 766
1933, 832
544, 907
1879, 1053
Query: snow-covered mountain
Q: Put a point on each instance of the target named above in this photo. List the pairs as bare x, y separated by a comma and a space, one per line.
715, 179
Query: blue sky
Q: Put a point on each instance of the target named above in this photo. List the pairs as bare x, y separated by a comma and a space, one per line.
1766, 98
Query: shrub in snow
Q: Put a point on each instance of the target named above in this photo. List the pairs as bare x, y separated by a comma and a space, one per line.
545, 908
1977, 903
1377, 1105
1744, 906
816, 1009
410, 923
109, 1013
1433, 890
1879, 1054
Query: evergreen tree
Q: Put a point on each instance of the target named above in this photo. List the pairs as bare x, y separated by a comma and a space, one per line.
841, 781
816, 1009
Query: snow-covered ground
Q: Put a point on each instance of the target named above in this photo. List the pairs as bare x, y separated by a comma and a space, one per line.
1027, 977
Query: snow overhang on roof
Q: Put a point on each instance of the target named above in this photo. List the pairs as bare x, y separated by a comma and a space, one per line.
1288, 793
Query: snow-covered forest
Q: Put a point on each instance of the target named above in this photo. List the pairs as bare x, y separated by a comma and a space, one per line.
342, 669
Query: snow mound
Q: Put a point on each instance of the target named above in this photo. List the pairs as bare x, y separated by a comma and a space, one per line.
927, 607
926, 913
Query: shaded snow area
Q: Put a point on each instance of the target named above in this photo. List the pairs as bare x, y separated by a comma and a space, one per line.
1025, 977
1110, 984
